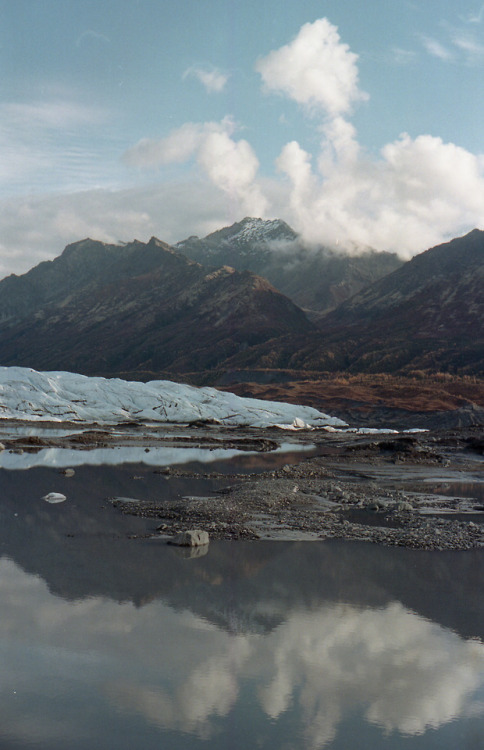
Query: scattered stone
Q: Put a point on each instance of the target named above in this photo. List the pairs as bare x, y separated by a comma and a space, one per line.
54, 497
192, 538
403, 505
327, 495
125, 500
67, 472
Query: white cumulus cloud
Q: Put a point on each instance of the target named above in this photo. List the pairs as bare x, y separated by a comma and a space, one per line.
230, 165
316, 69
415, 195
416, 192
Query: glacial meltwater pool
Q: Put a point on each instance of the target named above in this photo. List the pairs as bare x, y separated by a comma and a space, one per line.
272, 645
115, 642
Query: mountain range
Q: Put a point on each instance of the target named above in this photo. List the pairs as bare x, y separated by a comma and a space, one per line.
104, 309
427, 315
142, 310
316, 278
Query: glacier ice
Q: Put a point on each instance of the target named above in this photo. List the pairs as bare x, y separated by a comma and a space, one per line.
63, 396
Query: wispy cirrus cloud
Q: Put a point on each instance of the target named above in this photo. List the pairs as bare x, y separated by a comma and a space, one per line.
469, 46
90, 35
51, 143
213, 79
456, 44
57, 115
474, 18
402, 56
436, 48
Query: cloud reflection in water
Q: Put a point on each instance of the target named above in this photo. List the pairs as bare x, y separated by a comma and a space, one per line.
180, 672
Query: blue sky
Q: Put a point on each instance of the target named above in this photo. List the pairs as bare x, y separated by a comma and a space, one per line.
359, 125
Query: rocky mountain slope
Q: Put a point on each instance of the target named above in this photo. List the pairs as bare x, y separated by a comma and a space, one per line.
144, 310
104, 309
317, 279
426, 315
439, 292
84, 265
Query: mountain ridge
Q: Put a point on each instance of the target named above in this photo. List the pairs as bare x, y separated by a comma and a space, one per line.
98, 309
426, 315
146, 308
317, 279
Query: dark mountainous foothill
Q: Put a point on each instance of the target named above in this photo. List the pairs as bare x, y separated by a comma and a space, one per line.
426, 315
104, 309
143, 310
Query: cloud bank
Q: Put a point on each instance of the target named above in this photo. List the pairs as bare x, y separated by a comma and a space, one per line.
37, 228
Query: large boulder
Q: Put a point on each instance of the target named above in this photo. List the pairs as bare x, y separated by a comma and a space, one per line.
192, 538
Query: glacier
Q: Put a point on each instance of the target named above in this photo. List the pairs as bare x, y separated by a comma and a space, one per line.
26, 394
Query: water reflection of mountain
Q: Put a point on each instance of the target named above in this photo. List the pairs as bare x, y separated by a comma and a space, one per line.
80, 548
102, 673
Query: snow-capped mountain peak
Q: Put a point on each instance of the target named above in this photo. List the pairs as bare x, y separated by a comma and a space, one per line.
261, 230
246, 236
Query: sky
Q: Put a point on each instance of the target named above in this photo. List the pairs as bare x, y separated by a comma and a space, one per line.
359, 125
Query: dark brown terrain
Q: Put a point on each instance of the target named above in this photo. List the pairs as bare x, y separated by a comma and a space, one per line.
427, 315
417, 400
102, 310
408, 345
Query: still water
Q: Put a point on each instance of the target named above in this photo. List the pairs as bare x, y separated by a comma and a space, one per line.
111, 642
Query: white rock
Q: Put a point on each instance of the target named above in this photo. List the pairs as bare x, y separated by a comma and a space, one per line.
192, 538
54, 497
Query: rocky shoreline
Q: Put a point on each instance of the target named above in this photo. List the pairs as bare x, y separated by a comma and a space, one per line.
379, 489
422, 490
